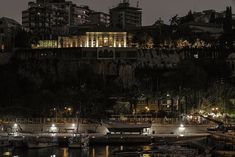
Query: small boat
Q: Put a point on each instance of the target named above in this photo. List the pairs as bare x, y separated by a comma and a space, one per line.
117, 126
4, 141
42, 142
79, 141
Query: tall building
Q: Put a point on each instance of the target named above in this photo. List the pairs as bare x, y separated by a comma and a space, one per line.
48, 18
99, 18
80, 15
8, 30
124, 16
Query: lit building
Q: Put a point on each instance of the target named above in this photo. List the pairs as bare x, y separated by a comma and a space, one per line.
53, 17
8, 29
124, 16
46, 44
89, 39
95, 39
81, 15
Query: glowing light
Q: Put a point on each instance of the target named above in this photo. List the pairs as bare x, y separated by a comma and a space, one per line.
15, 125
53, 128
181, 129
147, 108
7, 154
73, 125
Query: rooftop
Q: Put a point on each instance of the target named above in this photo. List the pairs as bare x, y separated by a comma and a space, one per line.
9, 21
125, 5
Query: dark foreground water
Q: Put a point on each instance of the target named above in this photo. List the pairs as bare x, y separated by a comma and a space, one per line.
95, 151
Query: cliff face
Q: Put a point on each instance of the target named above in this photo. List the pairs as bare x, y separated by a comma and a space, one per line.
41, 78
120, 70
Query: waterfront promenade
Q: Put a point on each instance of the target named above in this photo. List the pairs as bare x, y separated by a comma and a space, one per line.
64, 128
71, 125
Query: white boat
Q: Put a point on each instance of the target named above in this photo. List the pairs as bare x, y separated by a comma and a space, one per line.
117, 126
42, 142
4, 141
79, 141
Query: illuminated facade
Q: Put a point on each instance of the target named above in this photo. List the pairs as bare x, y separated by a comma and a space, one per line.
90, 39
95, 39
46, 44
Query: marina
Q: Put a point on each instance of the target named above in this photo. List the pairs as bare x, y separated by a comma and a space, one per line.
167, 140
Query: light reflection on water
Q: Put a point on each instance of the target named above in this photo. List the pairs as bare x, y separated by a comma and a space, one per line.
99, 151
96, 151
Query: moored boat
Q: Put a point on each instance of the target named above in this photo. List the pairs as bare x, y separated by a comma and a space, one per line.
116, 126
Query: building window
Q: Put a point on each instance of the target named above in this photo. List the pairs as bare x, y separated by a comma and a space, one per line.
106, 41
2, 48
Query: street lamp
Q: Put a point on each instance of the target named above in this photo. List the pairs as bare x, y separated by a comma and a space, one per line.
181, 130
147, 108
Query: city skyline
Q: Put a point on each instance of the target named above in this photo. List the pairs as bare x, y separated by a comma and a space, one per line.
152, 11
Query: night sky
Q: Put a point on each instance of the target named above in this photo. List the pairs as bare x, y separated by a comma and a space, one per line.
152, 9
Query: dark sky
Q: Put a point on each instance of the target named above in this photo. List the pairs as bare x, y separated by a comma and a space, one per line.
152, 9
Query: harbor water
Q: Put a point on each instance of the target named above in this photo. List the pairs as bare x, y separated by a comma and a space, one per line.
101, 151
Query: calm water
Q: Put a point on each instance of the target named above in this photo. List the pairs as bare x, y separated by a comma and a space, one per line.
96, 151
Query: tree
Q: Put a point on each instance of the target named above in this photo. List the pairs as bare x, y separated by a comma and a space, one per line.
174, 21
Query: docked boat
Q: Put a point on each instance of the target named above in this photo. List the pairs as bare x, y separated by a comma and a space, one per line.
42, 142
79, 141
117, 126
4, 141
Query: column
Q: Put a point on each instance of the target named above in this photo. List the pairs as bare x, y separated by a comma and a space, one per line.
92, 40
87, 40
114, 41
97, 40
124, 40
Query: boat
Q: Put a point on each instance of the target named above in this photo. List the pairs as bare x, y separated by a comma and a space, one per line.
79, 141
118, 126
4, 141
41, 142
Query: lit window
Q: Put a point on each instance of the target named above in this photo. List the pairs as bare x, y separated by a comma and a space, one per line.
3, 47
